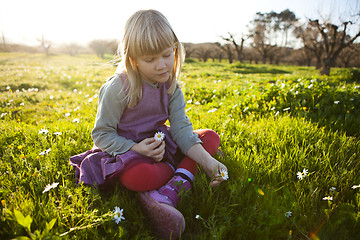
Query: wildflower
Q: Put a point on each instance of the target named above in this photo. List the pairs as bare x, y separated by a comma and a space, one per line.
197, 216
224, 174
355, 186
45, 152
20, 147
118, 215
22, 104
50, 186
76, 120
336, 102
57, 133
286, 109
301, 175
67, 114
328, 198
288, 214
43, 131
159, 136
332, 189
3, 115
212, 110
22, 156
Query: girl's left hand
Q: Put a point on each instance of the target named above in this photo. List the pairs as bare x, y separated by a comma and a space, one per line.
213, 169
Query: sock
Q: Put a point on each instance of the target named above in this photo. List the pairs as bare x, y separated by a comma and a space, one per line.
185, 174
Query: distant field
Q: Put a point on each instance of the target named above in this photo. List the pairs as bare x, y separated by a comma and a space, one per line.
290, 138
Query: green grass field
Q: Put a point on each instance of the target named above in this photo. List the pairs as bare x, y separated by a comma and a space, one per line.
277, 124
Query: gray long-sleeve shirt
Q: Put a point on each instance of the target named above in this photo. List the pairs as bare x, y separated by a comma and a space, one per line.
112, 106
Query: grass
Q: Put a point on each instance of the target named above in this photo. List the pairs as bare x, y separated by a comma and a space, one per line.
274, 121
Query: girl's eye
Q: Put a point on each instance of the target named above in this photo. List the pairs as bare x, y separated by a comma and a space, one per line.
148, 59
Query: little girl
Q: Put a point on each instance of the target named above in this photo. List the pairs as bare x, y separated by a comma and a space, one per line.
134, 104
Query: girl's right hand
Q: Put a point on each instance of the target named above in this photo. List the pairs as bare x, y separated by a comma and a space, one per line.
151, 148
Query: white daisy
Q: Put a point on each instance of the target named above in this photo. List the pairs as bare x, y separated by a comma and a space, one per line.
50, 186
224, 174
328, 198
301, 175
43, 131
118, 215
159, 136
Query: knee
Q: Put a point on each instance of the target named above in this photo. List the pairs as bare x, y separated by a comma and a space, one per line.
210, 139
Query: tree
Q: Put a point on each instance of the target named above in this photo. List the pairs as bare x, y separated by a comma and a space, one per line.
101, 47
72, 48
45, 45
263, 35
285, 21
311, 41
229, 49
239, 47
204, 50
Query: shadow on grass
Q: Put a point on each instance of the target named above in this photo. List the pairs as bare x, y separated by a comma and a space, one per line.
247, 69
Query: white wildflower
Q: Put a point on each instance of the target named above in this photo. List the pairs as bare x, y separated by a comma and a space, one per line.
50, 186
301, 175
118, 215
43, 131
159, 136
328, 198
288, 214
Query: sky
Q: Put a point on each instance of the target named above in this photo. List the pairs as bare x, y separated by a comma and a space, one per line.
196, 21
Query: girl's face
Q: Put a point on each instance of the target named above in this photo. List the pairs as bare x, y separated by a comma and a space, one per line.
156, 68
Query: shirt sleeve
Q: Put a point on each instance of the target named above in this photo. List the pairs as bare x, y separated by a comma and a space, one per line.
110, 109
181, 128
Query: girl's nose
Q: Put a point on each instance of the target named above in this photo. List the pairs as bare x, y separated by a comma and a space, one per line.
160, 65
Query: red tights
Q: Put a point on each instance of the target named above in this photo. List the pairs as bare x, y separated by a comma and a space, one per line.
149, 175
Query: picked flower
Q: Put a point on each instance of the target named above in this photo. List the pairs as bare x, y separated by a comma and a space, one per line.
50, 186
118, 215
301, 175
224, 174
159, 136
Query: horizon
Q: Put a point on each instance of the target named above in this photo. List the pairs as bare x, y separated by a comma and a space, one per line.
82, 21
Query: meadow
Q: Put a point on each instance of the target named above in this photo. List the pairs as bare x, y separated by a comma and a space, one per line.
289, 137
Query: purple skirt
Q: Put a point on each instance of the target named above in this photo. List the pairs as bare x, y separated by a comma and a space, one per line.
94, 166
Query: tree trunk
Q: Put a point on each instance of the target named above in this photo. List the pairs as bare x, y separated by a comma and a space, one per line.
325, 67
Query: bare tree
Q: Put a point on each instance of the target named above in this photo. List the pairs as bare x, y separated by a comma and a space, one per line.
189, 49
204, 50
45, 45
229, 49
239, 47
100, 47
329, 42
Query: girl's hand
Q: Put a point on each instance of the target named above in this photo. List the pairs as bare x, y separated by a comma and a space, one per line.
210, 165
213, 169
151, 148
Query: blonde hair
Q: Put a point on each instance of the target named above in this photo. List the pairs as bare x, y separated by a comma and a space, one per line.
147, 32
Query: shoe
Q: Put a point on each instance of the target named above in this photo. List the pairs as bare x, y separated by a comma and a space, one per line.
172, 191
166, 220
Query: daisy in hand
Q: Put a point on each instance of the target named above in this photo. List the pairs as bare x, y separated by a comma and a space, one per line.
224, 174
159, 136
